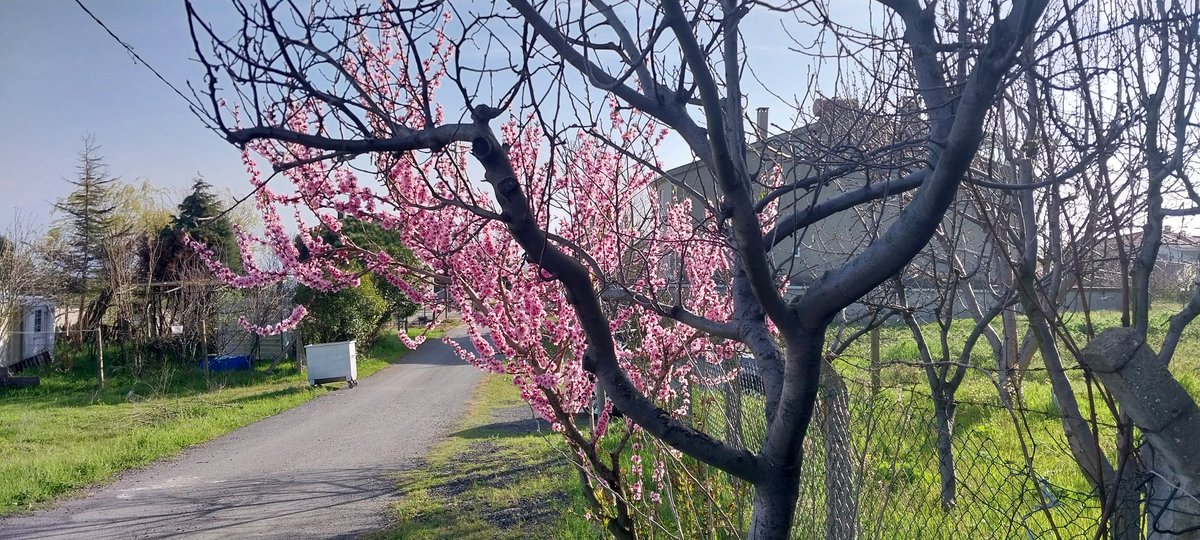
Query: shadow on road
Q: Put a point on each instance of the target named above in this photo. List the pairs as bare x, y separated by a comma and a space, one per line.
216, 509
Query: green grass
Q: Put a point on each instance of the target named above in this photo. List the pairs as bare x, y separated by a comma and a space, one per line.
469, 475
65, 434
453, 494
490, 480
895, 458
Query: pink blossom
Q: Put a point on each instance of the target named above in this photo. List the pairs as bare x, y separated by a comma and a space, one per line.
519, 321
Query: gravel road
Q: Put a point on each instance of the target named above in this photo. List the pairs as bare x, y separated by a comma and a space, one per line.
320, 470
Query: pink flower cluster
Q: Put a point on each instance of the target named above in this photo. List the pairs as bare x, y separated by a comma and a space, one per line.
593, 198
285, 325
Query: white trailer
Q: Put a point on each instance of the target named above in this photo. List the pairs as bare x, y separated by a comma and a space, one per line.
26, 329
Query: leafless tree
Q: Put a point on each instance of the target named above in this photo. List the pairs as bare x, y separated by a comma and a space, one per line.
1099, 135
949, 290
26, 269
683, 65
1163, 85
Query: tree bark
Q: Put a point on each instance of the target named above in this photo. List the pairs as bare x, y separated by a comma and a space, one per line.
778, 484
944, 416
775, 504
1170, 422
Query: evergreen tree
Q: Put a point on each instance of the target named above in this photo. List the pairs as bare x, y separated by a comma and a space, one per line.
87, 216
200, 216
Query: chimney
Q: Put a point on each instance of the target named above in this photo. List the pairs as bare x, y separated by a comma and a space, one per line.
762, 124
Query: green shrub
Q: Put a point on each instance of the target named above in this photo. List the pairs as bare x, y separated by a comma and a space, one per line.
354, 313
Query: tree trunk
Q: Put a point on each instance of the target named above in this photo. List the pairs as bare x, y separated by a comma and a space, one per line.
1081, 441
944, 416
1009, 360
777, 484
775, 505
841, 503
1080, 438
1126, 520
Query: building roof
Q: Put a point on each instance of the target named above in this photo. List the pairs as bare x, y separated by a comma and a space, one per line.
34, 301
809, 141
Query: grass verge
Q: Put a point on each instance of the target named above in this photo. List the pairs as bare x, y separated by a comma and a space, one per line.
502, 475
497, 478
65, 434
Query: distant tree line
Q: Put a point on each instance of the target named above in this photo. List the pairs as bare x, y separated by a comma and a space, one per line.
116, 260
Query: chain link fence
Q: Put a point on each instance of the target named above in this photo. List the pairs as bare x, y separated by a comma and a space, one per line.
871, 465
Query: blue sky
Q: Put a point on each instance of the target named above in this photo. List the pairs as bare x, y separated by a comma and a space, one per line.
65, 78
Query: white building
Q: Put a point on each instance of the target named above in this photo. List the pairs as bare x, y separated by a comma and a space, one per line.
26, 330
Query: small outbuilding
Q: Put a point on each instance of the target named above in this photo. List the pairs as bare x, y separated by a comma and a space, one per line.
26, 337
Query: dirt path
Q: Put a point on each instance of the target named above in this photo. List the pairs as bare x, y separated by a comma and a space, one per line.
321, 470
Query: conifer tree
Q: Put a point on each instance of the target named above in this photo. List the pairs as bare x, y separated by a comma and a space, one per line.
86, 219
201, 217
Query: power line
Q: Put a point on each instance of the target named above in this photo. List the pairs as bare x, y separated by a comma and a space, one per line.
137, 58
192, 106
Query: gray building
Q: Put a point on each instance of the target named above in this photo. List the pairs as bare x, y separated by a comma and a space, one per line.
844, 149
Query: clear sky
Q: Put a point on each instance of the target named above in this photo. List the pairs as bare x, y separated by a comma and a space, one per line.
63, 78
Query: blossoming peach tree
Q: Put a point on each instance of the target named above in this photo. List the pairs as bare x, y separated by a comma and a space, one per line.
513, 150
597, 199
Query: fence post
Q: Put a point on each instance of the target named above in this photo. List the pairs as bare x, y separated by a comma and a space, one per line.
204, 351
100, 353
876, 383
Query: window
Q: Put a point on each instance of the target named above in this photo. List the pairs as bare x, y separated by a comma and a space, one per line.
37, 320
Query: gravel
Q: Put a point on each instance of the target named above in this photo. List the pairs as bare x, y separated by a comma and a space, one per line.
321, 470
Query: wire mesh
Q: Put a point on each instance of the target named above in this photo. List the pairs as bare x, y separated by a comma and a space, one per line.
871, 465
